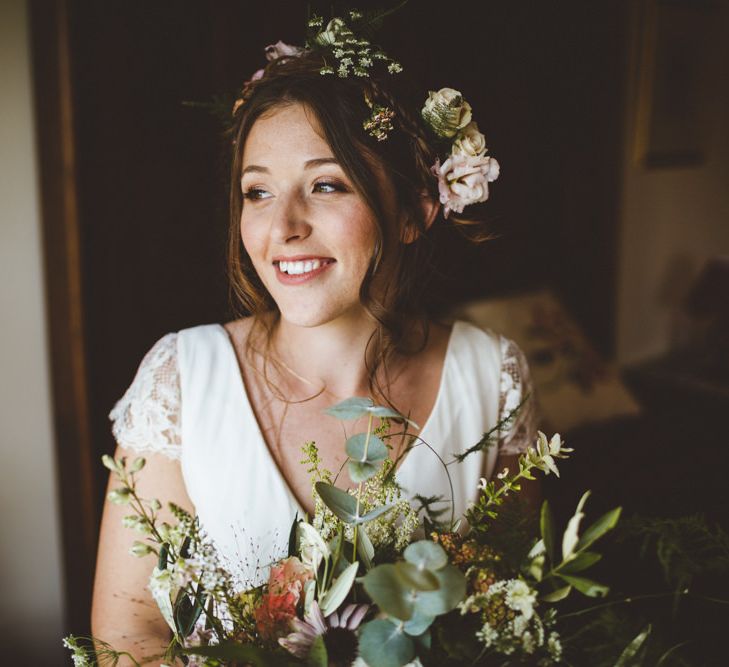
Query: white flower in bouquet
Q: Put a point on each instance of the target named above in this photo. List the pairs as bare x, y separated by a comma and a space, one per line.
312, 548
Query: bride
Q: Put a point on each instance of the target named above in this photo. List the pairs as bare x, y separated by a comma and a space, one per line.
336, 185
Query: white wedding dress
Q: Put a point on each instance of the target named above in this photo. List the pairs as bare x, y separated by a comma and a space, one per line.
188, 402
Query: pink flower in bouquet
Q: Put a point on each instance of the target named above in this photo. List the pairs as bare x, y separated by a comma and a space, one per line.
275, 613
289, 576
338, 630
463, 180
278, 606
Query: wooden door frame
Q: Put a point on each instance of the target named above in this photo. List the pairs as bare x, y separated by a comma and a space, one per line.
56, 154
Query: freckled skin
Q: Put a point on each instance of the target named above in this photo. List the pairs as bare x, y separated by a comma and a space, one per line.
293, 210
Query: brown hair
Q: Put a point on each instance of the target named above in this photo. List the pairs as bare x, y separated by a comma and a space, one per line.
406, 155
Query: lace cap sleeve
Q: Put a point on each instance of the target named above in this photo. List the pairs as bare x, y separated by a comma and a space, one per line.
516, 385
147, 417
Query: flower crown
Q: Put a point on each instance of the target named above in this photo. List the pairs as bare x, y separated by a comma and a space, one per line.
466, 171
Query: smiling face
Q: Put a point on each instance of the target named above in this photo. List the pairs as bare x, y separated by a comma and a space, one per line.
309, 234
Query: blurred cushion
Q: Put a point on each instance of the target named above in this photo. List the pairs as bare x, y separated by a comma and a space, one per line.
574, 385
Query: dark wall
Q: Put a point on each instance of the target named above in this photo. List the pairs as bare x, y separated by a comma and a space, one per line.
546, 83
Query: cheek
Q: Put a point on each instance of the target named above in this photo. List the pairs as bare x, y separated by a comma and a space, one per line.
252, 237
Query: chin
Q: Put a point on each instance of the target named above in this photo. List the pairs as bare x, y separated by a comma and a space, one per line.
309, 316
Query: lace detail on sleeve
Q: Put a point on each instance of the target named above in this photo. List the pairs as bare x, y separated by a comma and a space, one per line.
146, 418
516, 384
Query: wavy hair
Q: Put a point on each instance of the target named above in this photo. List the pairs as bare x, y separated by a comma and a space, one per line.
405, 157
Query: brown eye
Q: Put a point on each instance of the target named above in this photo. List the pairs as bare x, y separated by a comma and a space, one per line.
256, 193
328, 186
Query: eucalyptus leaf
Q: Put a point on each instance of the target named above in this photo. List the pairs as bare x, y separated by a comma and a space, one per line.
361, 472
546, 526
378, 511
384, 644
426, 554
417, 578
344, 505
630, 651
318, 656
376, 449
452, 590
559, 594
605, 523
339, 502
580, 562
338, 590
383, 411
365, 550
418, 624
350, 408
388, 591
586, 586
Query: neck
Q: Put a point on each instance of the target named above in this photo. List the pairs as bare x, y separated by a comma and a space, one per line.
331, 355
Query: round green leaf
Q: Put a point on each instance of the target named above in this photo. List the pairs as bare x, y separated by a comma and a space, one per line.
376, 449
388, 591
414, 577
426, 554
417, 625
384, 644
361, 472
452, 590
350, 408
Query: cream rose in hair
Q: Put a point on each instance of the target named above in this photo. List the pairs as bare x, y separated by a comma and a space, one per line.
463, 180
446, 111
469, 141
280, 49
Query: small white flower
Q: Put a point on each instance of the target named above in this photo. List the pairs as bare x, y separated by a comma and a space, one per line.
482, 484
520, 597
503, 474
554, 646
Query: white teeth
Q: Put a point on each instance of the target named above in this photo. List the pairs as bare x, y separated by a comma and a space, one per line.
298, 268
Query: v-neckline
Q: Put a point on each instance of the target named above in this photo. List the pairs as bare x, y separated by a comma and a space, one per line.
251, 414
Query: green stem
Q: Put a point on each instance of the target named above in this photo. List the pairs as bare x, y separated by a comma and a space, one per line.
648, 596
359, 487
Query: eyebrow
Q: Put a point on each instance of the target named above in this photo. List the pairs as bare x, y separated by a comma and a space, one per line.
309, 164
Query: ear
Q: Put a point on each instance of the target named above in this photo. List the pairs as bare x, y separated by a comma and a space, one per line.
430, 208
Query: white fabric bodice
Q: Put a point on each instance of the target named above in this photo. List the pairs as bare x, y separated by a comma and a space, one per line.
189, 402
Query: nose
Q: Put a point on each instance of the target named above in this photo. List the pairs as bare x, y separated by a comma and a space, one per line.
289, 221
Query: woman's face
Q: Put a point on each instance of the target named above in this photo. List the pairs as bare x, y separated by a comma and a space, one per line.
309, 234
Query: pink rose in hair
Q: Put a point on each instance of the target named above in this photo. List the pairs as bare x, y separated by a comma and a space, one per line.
463, 180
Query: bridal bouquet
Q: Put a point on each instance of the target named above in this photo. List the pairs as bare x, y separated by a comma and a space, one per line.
365, 581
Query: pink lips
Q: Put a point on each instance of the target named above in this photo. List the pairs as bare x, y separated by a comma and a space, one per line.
298, 279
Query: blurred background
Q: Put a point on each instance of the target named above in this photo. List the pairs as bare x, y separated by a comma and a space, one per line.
610, 267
